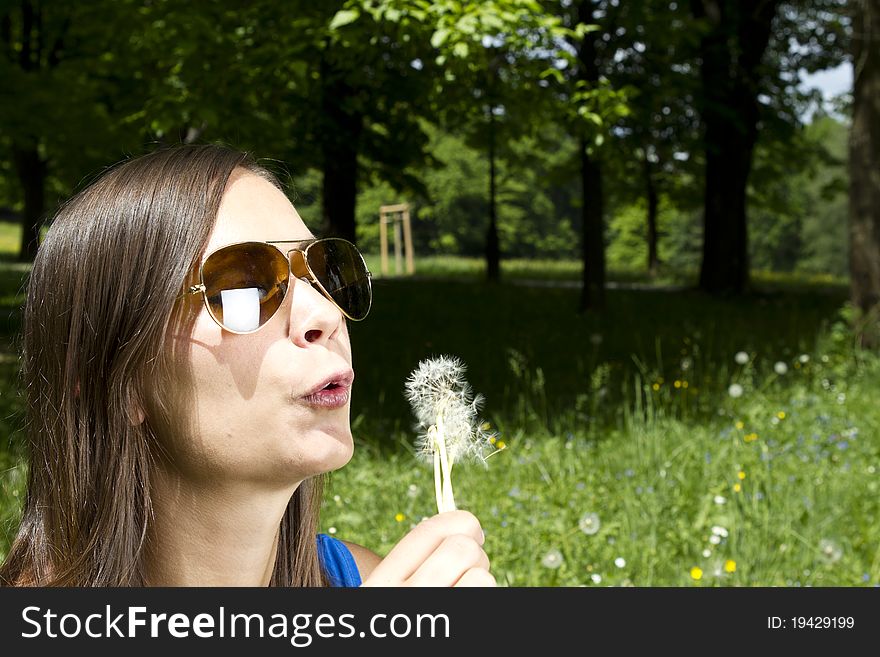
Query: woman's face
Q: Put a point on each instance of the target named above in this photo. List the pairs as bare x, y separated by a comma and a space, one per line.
249, 421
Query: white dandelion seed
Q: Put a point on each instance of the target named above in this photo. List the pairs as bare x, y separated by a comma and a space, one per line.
620, 562
714, 539
450, 431
804, 358
741, 358
596, 577
718, 530
553, 559
780, 368
720, 499
735, 390
707, 553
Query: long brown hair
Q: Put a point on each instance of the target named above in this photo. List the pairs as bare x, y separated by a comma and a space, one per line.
102, 303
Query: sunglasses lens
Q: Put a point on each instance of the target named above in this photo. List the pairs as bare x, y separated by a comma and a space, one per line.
245, 285
342, 272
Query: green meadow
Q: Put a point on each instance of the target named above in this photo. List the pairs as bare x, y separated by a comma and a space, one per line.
672, 440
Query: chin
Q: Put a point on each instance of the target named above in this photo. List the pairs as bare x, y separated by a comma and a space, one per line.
326, 449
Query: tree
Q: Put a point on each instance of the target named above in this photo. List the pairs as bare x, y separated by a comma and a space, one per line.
56, 103
731, 49
864, 159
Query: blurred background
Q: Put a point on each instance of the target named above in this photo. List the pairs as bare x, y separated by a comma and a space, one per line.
651, 229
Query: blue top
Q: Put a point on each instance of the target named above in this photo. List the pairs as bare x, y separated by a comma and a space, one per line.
338, 562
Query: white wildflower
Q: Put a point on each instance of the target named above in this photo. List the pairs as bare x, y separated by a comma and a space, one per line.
620, 562
780, 368
741, 358
718, 530
596, 577
804, 358
735, 390
720, 499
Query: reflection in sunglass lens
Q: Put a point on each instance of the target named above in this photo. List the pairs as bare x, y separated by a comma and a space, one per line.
341, 271
245, 285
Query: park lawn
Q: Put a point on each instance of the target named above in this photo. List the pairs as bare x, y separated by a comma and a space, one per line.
626, 415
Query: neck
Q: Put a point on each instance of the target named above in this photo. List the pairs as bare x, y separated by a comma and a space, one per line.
213, 534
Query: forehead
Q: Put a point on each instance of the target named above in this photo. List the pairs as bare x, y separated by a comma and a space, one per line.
253, 209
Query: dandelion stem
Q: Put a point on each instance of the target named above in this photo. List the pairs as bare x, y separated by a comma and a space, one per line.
438, 482
445, 466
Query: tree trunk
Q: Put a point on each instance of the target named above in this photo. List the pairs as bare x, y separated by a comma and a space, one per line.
31, 170
651, 194
592, 232
592, 229
731, 52
339, 147
864, 170
493, 250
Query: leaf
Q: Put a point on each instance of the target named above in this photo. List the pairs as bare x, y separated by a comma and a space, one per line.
439, 37
344, 17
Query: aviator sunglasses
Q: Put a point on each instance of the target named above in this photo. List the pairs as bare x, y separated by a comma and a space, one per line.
244, 284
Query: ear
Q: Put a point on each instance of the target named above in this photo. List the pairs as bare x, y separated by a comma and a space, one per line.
134, 408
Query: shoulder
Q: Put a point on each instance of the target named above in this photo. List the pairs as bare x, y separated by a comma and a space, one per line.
365, 558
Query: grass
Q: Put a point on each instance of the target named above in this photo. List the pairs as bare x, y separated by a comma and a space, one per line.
626, 415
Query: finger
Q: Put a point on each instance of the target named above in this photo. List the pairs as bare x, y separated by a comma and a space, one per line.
420, 543
449, 562
476, 577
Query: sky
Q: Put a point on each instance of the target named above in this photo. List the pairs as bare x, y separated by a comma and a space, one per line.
832, 81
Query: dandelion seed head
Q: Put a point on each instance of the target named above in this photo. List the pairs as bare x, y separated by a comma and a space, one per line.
439, 393
830, 551
735, 390
552, 559
596, 578
589, 523
620, 562
741, 358
780, 368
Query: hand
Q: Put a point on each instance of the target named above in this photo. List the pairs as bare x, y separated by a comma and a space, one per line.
444, 550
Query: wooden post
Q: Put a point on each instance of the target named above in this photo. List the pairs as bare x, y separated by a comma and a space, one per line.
383, 242
398, 259
399, 214
407, 236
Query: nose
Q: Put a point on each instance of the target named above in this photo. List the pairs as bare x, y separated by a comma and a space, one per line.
313, 317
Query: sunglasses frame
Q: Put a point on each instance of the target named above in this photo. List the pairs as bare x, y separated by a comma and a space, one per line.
299, 269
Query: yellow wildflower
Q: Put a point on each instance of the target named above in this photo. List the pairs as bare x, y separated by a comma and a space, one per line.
399, 517
737, 487
696, 573
730, 566
741, 475
740, 425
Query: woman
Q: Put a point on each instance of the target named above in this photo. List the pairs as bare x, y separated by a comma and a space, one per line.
186, 391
